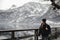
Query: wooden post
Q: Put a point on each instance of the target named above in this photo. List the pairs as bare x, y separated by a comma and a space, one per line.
13, 35
36, 35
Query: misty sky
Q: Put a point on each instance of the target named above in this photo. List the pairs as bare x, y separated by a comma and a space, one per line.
6, 4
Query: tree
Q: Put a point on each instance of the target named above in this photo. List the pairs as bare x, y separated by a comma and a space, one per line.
55, 5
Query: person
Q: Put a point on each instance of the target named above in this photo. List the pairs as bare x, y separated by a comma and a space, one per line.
44, 30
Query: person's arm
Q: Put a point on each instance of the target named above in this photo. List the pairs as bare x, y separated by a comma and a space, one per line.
49, 29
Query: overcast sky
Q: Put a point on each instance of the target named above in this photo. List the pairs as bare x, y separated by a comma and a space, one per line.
6, 4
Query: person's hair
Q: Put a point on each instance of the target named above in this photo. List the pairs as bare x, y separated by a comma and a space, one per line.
44, 20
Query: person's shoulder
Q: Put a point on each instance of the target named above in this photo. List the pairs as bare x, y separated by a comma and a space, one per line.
47, 24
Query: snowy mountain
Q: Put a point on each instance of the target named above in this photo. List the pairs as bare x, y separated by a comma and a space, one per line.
30, 14
26, 12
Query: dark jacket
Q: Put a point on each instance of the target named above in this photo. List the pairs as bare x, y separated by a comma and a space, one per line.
43, 31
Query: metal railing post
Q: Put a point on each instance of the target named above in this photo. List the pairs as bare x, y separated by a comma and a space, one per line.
36, 35
13, 35
56, 33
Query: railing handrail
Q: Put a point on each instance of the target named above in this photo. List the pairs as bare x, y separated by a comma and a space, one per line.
17, 30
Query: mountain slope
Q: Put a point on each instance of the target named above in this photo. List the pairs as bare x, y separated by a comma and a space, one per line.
31, 12
26, 12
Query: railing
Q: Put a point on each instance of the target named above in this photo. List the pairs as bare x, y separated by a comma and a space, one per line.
13, 33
